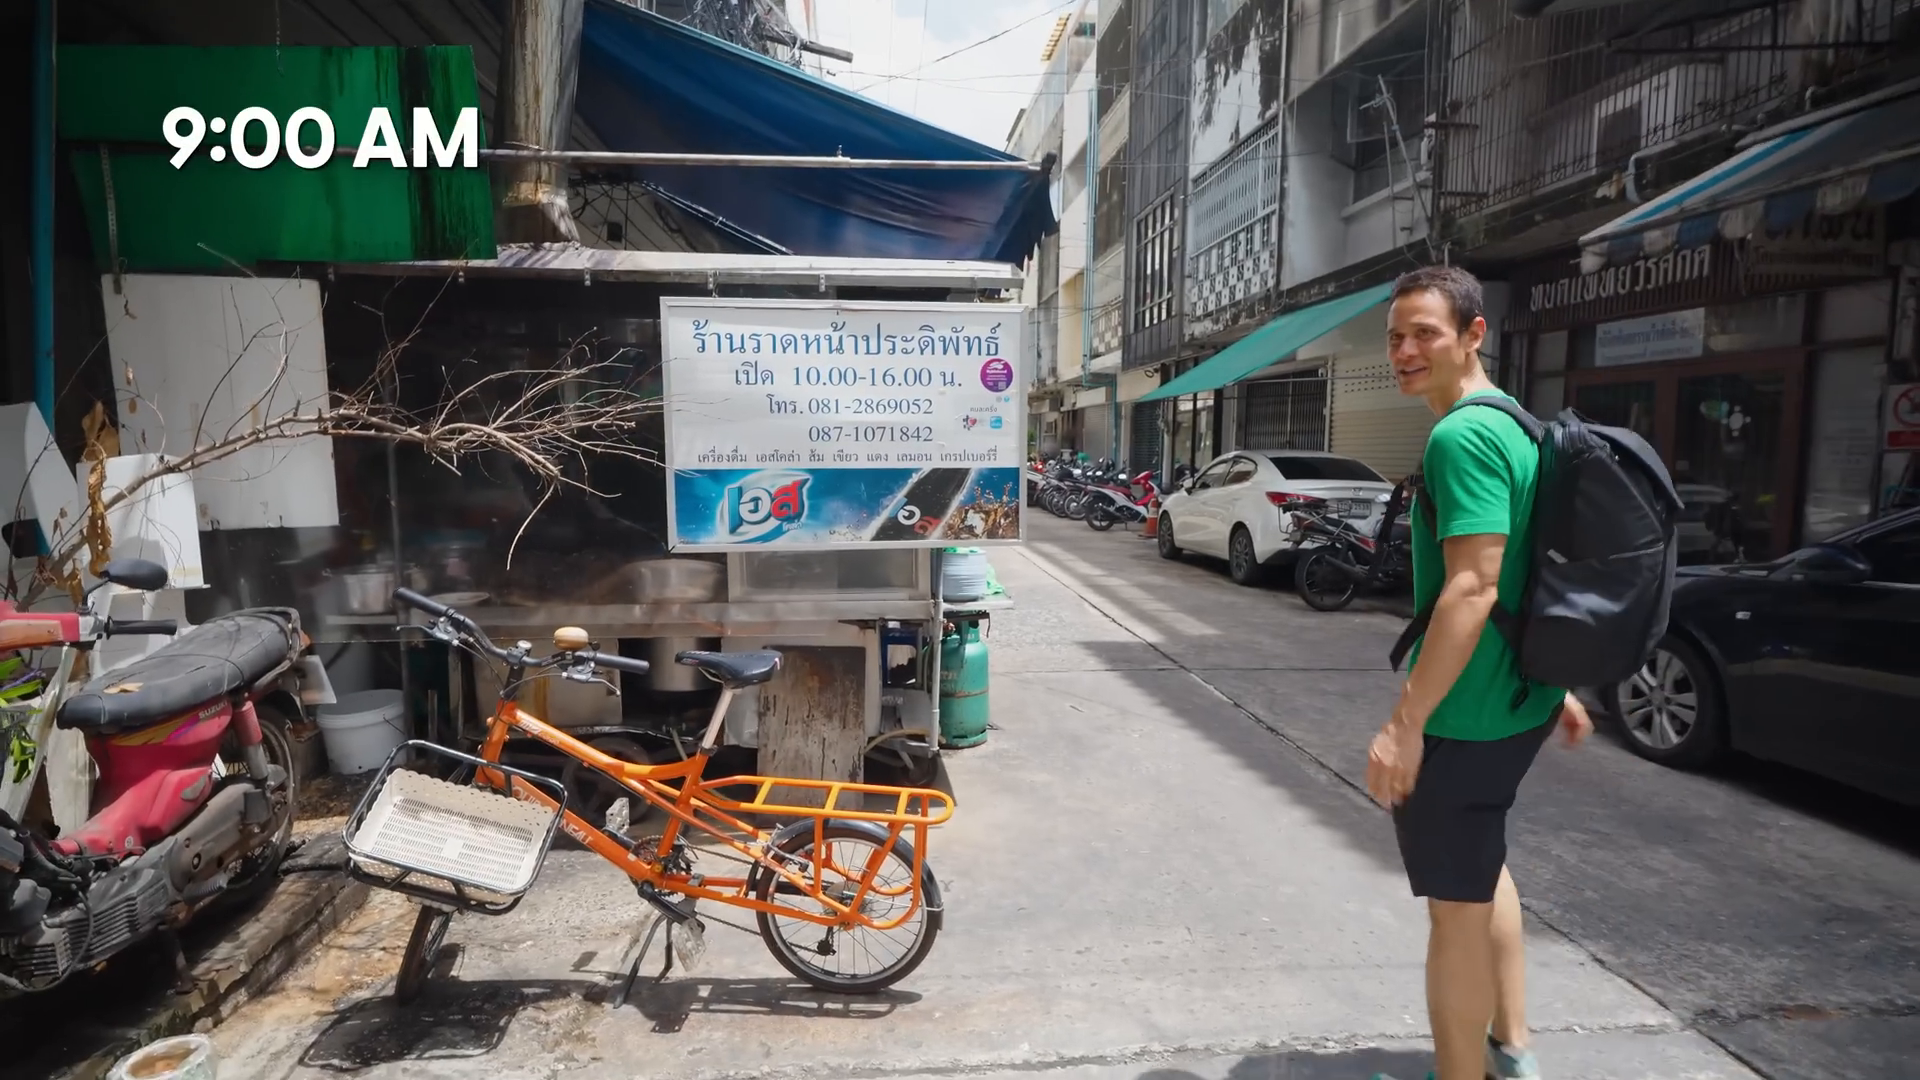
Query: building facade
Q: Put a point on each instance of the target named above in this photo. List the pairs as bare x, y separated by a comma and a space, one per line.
1255, 160
1758, 346
1057, 122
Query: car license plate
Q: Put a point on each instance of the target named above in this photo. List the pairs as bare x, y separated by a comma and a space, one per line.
1341, 508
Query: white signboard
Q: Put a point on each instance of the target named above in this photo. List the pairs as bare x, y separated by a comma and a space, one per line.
800, 424
1677, 335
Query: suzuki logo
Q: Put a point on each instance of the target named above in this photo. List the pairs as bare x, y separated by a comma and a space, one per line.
765, 505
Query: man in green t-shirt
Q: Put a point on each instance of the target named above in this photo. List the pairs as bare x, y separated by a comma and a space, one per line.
1467, 727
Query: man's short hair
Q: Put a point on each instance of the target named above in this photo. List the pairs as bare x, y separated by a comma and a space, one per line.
1460, 289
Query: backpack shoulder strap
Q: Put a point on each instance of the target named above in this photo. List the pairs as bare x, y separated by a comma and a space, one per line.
1528, 422
1502, 619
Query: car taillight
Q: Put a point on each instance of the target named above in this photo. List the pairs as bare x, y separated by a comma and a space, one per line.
1287, 500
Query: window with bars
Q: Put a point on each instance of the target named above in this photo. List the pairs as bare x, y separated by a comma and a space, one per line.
1157, 247
1237, 192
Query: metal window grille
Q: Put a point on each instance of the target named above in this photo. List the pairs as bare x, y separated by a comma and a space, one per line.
1158, 242
1286, 414
1542, 107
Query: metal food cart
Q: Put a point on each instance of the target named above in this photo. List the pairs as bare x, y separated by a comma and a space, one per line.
868, 612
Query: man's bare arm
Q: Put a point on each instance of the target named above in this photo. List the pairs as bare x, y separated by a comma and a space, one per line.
1466, 600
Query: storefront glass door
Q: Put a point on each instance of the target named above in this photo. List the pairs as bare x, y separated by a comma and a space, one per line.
1726, 463
1722, 426
1619, 404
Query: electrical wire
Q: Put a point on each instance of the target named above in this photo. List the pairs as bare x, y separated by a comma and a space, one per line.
972, 45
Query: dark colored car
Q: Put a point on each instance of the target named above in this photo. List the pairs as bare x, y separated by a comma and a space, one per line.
1812, 661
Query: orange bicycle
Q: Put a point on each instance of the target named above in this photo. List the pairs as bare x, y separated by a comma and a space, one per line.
843, 898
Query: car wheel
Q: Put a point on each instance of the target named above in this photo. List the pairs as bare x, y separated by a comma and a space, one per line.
1163, 538
1243, 566
1670, 709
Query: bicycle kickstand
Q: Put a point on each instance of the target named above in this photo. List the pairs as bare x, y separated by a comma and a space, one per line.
633, 972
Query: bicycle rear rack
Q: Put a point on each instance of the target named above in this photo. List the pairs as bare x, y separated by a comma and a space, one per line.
457, 846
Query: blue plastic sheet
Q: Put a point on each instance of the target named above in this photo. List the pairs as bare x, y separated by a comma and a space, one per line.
649, 84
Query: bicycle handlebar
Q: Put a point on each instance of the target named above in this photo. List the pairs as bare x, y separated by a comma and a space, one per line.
414, 600
572, 658
611, 660
158, 627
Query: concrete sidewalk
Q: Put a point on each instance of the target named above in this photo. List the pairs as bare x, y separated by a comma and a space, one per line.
1140, 882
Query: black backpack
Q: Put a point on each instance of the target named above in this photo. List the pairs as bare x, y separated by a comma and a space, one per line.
1604, 547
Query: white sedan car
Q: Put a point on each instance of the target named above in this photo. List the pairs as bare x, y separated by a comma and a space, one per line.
1239, 507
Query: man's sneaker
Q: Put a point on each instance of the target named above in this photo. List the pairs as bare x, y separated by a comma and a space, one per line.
1505, 1063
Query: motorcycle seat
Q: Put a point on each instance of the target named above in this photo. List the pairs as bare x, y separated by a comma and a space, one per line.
203, 664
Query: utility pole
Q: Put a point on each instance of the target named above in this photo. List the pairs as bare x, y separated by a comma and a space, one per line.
539, 74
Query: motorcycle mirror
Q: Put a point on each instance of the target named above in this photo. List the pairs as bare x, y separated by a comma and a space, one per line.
140, 574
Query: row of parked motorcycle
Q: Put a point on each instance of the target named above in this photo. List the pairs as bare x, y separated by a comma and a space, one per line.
1100, 493
1338, 558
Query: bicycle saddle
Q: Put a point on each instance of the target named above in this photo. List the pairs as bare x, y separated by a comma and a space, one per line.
734, 669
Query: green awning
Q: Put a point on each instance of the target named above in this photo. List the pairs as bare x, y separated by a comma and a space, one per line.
1273, 343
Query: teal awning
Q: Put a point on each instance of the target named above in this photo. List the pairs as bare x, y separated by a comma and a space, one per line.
1273, 343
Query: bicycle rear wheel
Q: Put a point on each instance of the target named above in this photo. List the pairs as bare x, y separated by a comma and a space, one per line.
859, 959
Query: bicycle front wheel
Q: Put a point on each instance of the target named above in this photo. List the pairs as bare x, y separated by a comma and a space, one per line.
856, 959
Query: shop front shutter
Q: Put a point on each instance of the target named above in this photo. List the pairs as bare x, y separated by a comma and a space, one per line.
1373, 421
1286, 414
1145, 440
1096, 431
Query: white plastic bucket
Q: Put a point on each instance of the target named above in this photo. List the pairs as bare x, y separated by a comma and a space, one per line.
963, 574
361, 730
184, 1057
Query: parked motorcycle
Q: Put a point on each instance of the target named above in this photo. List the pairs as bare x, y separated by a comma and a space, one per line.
1113, 502
1067, 496
1342, 561
1044, 471
194, 799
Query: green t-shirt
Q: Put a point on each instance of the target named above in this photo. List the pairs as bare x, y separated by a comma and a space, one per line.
1480, 470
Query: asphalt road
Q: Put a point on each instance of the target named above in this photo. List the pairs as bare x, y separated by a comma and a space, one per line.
1162, 868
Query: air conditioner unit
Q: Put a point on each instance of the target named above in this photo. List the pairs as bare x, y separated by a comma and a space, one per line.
1654, 110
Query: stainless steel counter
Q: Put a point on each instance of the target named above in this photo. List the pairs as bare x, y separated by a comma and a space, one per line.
754, 618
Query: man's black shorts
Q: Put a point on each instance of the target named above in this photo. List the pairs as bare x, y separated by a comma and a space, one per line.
1453, 828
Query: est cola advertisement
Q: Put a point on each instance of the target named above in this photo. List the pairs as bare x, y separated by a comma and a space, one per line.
819, 424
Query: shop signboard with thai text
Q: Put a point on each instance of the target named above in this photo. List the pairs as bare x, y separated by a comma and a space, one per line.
804, 425
1821, 245
1641, 275
1676, 335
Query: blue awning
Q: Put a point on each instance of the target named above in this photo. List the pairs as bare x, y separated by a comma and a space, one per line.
1866, 157
1273, 343
650, 84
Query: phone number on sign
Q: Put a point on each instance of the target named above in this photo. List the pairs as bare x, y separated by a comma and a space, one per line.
870, 433
871, 406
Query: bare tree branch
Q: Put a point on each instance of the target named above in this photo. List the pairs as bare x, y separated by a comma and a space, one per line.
551, 421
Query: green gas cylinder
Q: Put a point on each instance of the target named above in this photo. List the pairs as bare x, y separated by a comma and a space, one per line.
963, 686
